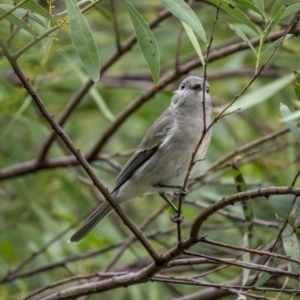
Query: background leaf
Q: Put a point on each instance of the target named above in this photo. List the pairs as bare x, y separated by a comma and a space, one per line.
39, 10
40, 200
194, 41
20, 12
251, 6
243, 37
291, 9
291, 124
16, 21
260, 4
83, 40
261, 94
291, 248
146, 40
274, 7
275, 21
184, 13
237, 14
270, 47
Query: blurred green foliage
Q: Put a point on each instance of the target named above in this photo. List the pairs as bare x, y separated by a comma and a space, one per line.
37, 207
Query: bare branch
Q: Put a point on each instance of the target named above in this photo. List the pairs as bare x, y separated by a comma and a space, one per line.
76, 152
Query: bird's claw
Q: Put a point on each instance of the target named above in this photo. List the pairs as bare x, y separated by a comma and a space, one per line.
177, 219
180, 193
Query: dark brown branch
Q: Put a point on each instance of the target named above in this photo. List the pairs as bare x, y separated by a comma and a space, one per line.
86, 87
230, 200
33, 166
146, 273
229, 156
76, 152
168, 78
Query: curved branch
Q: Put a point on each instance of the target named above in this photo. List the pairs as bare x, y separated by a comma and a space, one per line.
81, 159
147, 273
233, 153
231, 200
168, 78
86, 87
34, 166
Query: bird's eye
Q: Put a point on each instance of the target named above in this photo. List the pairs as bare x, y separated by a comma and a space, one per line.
207, 90
182, 86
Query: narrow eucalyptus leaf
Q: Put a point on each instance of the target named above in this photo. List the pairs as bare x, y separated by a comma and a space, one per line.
183, 12
83, 40
146, 40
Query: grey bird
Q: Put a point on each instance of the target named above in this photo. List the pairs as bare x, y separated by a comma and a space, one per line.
162, 159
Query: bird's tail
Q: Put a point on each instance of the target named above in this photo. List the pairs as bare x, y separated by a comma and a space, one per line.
91, 222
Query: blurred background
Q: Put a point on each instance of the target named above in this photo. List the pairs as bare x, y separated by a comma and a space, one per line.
39, 203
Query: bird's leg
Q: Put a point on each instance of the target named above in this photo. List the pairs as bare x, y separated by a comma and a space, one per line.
180, 193
177, 194
174, 218
178, 217
168, 201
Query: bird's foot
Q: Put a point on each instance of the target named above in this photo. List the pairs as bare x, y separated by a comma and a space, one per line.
177, 219
180, 193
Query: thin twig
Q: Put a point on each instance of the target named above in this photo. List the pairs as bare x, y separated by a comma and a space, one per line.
204, 132
170, 77
81, 159
77, 98
33, 166
253, 251
130, 239
279, 236
115, 23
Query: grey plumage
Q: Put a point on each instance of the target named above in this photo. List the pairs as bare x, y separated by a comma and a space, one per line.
163, 156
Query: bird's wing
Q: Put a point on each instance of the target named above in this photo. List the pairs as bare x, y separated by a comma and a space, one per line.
148, 146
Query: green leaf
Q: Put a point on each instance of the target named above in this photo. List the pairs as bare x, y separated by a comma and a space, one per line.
267, 52
297, 84
246, 258
93, 91
264, 277
35, 19
237, 14
183, 12
78, 3
146, 40
293, 116
248, 214
16, 116
39, 10
274, 7
83, 40
250, 6
243, 37
194, 41
261, 94
291, 124
20, 12
291, 248
291, 9
247, 206
259, 4
100, 102
16, 21
274, 22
